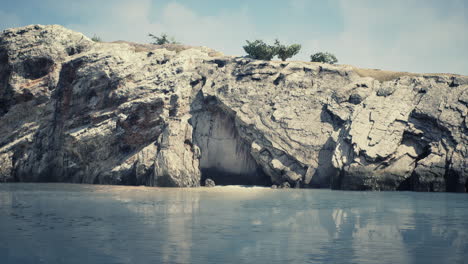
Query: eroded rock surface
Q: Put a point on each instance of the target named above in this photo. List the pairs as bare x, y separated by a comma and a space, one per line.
72, 110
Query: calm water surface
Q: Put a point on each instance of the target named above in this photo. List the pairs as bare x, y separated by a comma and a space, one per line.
66, 223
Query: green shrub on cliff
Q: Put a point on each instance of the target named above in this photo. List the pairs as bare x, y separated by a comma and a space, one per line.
96, 38
259, 50
285, 52
324, 57
163, 39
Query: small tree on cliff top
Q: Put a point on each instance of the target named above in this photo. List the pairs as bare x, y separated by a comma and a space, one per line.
163, 39
324, 57
285, 52
96, 38
259, 50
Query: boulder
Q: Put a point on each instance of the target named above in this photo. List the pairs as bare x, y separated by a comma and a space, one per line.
209, 183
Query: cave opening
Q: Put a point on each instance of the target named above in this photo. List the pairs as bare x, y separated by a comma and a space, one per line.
407, 184
454, 181
222, 177
225, 156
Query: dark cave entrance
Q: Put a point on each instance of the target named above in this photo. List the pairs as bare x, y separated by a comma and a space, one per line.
221, 177
454, 181
225, 156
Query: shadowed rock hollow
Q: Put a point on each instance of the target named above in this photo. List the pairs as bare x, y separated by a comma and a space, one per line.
72, 110
226, 156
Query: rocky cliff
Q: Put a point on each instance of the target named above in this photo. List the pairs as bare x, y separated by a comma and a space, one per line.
73, 110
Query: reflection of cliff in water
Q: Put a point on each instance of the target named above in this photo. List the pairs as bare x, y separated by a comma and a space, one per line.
404, 224
141, 225
320, 227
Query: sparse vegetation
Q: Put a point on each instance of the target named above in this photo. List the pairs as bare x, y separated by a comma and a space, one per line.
259, 50
163, 39
96, 38
285, 52
324, 57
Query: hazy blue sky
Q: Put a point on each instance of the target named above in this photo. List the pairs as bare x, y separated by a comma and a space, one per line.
407, 35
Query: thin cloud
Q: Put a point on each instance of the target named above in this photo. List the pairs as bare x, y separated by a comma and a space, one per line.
225, 32
401, 36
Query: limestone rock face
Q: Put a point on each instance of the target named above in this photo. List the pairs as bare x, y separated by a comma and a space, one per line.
72, 110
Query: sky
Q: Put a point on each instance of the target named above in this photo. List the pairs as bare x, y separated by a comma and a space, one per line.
424, 36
